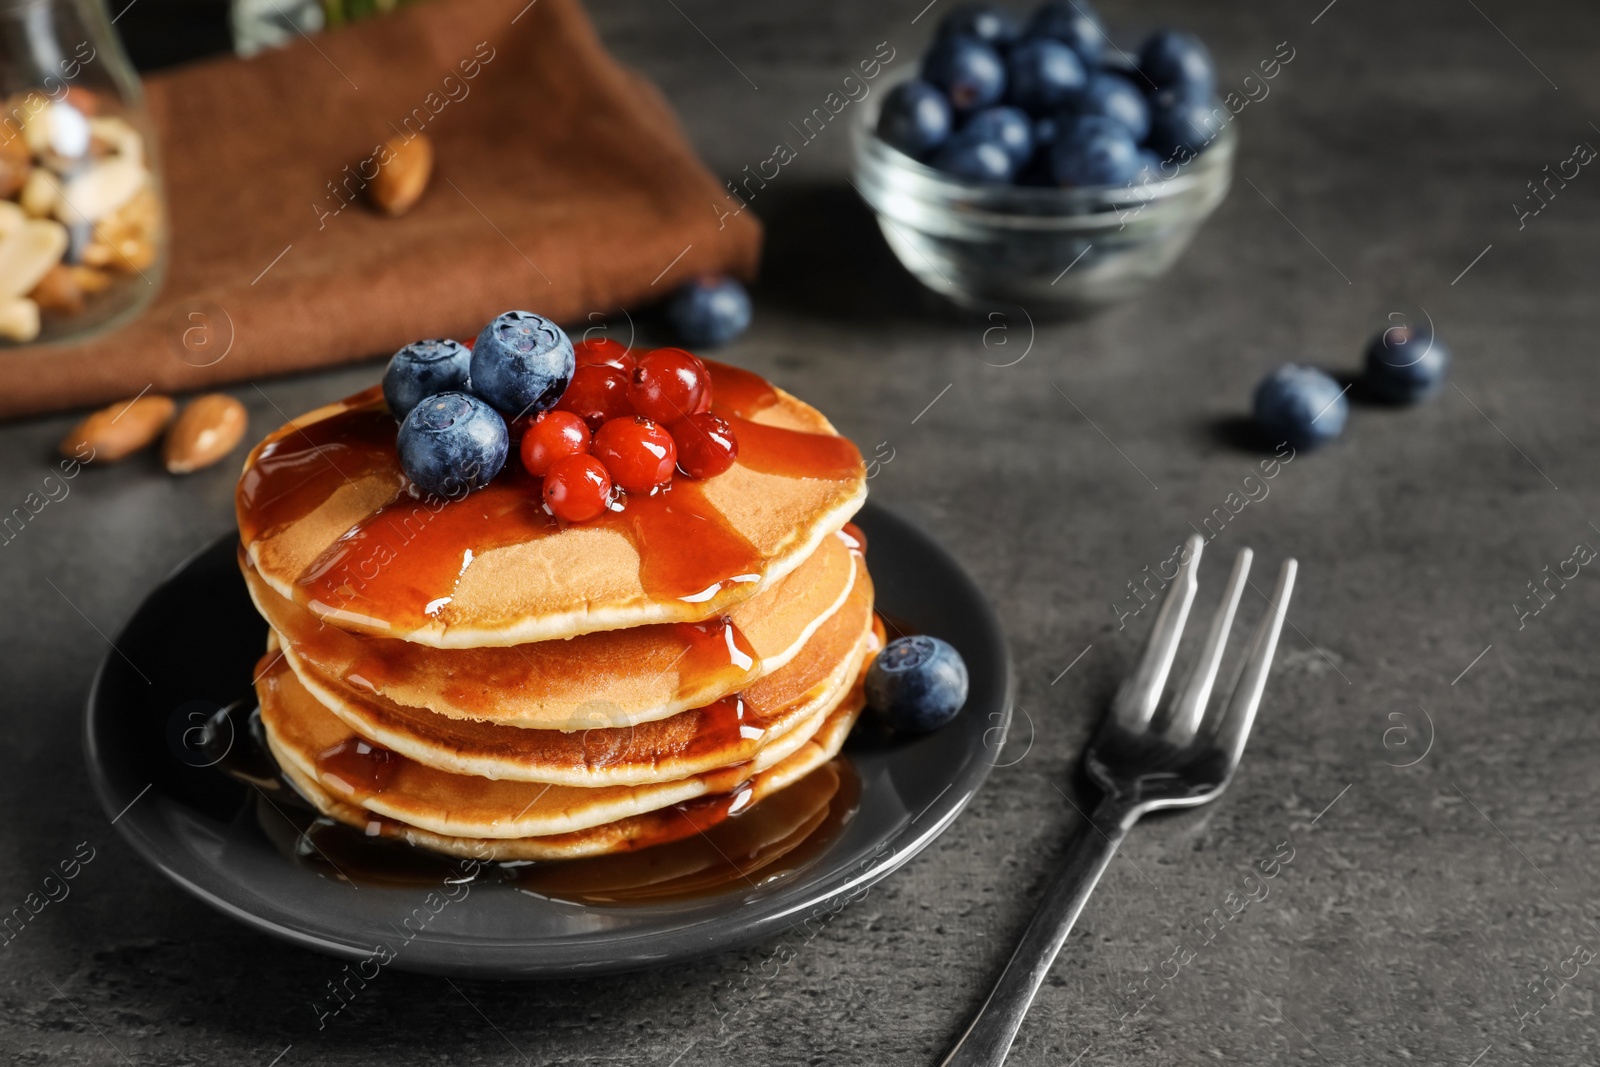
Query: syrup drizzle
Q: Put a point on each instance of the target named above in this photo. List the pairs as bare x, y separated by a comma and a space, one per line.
402, 563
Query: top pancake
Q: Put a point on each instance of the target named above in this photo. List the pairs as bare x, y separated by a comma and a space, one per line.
329, 520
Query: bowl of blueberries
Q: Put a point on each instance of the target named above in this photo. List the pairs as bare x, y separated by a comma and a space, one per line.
1037, 163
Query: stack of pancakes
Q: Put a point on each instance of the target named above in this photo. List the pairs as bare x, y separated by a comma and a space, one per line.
474, 677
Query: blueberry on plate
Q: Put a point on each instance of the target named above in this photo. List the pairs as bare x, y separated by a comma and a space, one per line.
1115, 97
709, 311
1073, 23
917, 684
1406, 364
1042, 74
1179, 60
915, 118
1181, 127
983, 22
1094, 150
976, 159
1300, 405
1008, 127
969, 72
452, 443
521, 363
423, 368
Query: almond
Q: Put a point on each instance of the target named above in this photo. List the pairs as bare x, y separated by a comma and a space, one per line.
404, 167
90, 280
27, 254
208, 429
58, 292
19, 319
15, 165
119, 430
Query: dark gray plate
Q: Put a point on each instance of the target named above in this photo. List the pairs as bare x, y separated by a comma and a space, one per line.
196, 639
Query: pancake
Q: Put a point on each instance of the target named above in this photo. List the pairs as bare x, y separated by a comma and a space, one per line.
732, 730
613, 678
305, 737
330, 521
658, 826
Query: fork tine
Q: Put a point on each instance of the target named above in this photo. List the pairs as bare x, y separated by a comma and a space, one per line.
1234, 726
1190, 706
1136, 699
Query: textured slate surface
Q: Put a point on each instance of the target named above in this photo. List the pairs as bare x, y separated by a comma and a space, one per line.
1417, 909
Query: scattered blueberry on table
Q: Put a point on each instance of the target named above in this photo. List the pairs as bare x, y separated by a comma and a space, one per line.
452, 443
422, 369
1063, 74
1406, 364
917, 684
709, 311
1300, 405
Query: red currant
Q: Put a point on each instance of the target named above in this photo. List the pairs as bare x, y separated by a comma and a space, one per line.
706, 445
554, 435
597, 395
577, 488
604, 352
638, 453
668, 384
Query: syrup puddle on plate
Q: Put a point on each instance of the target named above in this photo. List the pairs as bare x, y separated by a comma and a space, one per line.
721, 850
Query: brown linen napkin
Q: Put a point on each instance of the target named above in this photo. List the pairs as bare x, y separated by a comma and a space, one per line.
562, 185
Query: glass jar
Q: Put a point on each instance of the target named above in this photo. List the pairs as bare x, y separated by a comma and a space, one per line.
83, 225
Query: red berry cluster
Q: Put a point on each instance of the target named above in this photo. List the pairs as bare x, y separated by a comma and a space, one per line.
627, 423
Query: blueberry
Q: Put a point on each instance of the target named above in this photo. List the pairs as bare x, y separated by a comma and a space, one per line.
1150, 168
969, 72
915, 118
1300, 405
709, 311
1008, 127
1073, 23
1172, 58
452, 443
423, 368
1406, 364
976, 159
1181, 127
982, 22
1043, 74
917, 684
522, 363
1115, 97
1094, 150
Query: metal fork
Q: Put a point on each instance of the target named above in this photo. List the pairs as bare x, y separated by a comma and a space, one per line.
1141, 762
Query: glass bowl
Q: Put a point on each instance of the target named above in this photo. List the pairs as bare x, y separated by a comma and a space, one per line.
83, 223
1061, 251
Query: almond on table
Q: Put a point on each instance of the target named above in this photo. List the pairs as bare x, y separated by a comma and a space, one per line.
119, 430
209, 428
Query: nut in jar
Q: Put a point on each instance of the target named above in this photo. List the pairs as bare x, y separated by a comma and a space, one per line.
80, 214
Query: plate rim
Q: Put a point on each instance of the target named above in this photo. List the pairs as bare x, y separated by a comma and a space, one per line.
835, 885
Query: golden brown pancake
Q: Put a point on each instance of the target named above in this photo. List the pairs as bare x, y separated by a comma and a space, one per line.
657, 826
305, 737
613, 678
732, 730
331, 522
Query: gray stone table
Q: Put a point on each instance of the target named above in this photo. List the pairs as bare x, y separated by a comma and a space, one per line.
1421, 903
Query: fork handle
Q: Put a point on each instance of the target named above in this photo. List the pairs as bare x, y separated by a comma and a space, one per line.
988, 1040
